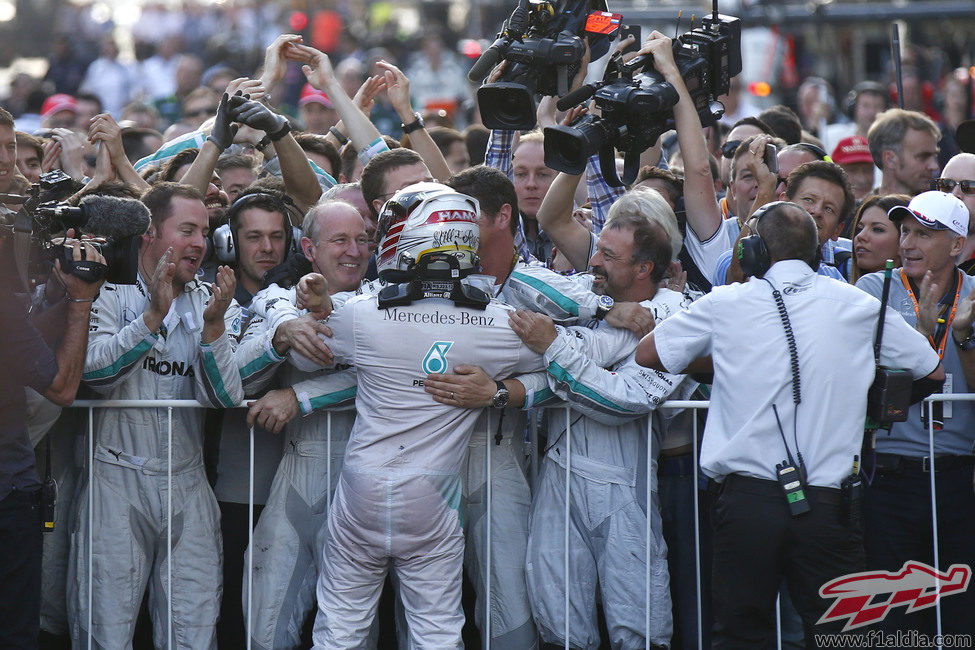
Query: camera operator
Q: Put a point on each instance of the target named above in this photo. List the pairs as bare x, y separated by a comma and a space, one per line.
774, 397
28, 361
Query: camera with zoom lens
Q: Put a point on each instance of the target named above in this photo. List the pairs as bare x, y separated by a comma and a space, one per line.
111, 225
542, 44
636, 104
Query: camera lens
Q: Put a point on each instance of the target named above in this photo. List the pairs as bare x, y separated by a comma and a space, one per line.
567, 148
506, 106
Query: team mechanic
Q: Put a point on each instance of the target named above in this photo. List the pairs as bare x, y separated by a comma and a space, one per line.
170, 336
783, 432
288, 539
609, 441
609, 510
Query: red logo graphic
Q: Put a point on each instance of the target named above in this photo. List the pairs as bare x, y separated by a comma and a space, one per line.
865, 598
444, 216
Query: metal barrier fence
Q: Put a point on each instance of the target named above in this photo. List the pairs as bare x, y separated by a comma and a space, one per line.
533, 465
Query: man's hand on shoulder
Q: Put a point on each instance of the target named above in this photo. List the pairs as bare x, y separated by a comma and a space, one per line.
302, 335
312, 294
537, 331
631, 316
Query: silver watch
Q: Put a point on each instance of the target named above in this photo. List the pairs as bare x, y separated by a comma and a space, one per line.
604, 305
501, 398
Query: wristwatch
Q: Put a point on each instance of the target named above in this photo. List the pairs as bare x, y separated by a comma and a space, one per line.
500, 399
415, 125
341, 137
604, 304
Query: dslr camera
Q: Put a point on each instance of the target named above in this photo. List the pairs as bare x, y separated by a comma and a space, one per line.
36, 231
636, 105
542, 44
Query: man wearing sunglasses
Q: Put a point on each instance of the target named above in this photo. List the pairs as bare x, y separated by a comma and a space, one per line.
743, 128
958, 179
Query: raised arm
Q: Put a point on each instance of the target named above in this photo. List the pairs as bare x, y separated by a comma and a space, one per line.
555, 213
398, 91
318, 70
105, 129
703, 213
221, 137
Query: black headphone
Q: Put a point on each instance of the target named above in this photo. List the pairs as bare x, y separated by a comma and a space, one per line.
865, 87
225, 244
752, 253
815, 150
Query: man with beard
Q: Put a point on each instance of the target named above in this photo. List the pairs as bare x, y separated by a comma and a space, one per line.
614, 405
170, 336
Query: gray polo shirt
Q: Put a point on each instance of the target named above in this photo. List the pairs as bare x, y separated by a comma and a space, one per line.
910, 438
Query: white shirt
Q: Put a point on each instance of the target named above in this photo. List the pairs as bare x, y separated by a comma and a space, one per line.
740, 327
111, 81
707, 253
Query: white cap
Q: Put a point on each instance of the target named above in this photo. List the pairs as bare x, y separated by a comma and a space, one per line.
935, 210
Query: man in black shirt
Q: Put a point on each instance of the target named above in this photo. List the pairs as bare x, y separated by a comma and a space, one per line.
27, 361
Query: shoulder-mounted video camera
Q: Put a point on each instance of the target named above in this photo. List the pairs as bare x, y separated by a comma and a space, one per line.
37, 229
636, 105
542, 43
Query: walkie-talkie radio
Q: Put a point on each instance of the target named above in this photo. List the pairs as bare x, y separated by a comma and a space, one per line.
889, 398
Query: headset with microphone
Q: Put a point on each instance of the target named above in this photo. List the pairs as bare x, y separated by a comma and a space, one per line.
226, 248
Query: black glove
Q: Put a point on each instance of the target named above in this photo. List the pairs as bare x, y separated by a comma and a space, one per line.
224, 129
258, 116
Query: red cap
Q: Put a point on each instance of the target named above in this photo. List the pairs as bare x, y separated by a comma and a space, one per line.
310, 94
56, 103
851, 150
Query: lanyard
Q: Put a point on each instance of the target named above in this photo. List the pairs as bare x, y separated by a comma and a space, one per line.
941, 331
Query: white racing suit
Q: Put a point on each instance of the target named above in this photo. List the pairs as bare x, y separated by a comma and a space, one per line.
131, 488
290, 534
566, 300
398, 500
608, 518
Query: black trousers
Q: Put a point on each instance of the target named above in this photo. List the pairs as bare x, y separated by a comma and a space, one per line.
757, 543
20, 569
231, 628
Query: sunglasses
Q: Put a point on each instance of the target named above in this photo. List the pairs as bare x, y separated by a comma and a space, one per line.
948, 185
728, 148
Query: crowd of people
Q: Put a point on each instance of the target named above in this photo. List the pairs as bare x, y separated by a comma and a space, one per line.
401, 299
